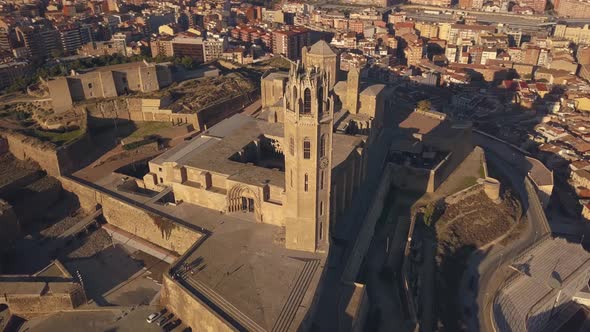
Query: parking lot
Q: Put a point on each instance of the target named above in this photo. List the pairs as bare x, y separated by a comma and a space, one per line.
125, 319
114, 277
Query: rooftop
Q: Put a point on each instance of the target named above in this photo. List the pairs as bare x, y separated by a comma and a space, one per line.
212, 150
321, 48
550, 267
242, 267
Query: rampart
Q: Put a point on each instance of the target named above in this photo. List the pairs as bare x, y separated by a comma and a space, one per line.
50, 290
28, 299
51, 158
193, 311
137, 220
159, 109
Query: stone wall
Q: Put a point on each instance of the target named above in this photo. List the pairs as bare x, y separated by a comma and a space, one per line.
133, 219
42, 298
9, 227
107, 108
24, 147
365, 236
193, 311
52, 159
41, 194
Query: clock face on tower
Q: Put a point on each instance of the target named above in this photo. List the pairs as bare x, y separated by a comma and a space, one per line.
323, 162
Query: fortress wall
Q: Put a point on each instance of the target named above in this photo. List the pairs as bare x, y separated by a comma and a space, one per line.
9, 227
30, 305
193, 312
108, 109
363, 240
147, 225
53, 160
24, 147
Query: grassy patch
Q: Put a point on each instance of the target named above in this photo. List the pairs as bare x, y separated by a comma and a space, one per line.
148, 128
137, 144
466, 182
482, 172
58, 138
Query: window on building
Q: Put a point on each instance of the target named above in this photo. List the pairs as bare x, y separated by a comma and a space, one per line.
305, 183
89, 85
321, 229
292, 146
323, 146
320, 99
307, 101
294, 93
161, 180
321, 180
306, 148
321, 208
291, 175
160, 169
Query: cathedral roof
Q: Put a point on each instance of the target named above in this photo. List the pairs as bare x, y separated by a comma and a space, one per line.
321, 48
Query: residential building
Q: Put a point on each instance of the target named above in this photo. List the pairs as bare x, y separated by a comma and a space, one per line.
290, 42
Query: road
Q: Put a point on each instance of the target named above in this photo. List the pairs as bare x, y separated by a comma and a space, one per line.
491, 266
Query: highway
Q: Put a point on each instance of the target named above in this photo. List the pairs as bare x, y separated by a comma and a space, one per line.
486, 272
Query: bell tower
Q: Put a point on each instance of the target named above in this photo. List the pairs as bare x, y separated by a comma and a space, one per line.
308, 128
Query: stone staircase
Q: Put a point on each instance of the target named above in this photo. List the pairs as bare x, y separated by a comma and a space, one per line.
294, 299
246, 322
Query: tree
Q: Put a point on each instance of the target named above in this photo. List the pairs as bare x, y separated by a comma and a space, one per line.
56, 53
428, 215
424, 105
187, 62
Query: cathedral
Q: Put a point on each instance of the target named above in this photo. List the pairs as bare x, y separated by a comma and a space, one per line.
297, 164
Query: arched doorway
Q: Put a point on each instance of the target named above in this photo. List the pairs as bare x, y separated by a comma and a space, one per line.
241, 198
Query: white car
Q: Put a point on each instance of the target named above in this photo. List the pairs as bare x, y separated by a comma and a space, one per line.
152, 318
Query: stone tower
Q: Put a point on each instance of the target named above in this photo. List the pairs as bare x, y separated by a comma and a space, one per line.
322, 56
308, 127
353, 84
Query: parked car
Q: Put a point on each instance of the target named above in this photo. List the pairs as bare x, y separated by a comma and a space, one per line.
153, 317
162, 321
172, 325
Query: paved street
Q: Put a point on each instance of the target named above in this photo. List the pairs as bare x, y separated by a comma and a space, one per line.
117, 319
490, 267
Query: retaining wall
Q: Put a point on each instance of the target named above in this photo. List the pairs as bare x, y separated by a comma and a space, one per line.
194, 312
38, 300
134, 219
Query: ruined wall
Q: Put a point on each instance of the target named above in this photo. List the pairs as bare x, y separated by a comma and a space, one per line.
147, 225
213, 114
191, 310
109, 109
24, 147
52, 159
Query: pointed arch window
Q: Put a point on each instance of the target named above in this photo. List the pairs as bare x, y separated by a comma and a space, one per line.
306, 101
306, 148
320, 99
306, 183
323, 146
